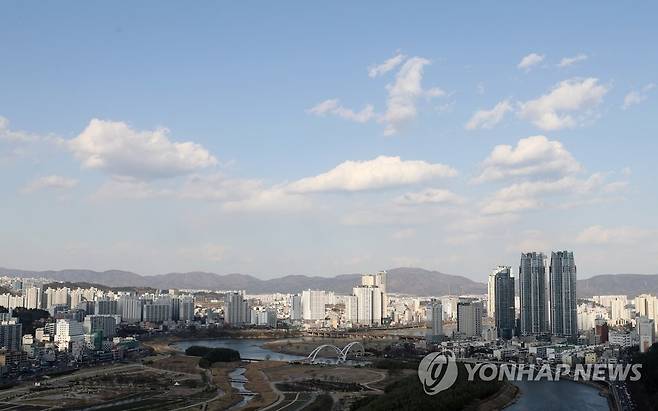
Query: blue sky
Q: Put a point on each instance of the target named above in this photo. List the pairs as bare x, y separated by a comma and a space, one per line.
272, 138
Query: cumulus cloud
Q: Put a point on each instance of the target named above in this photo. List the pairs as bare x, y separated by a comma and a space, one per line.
530, 61
552, 111
599, 235
637, 96
529, 195
404, 93
50, 182
116, 148
402, 100
429, 196
385, 67
489, 118
14, 136
569, 61
532, 156
381, 172
332, 106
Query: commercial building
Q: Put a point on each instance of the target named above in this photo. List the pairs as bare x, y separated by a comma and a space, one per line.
564, 321
469, 318
434, 315
501, 300
532, 291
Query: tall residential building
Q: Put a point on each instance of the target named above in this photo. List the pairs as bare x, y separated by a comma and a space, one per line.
491, 293
532, 291
105, 324
186, 308
469, 318
68, 332
295, 307
314, 302
379, 280
647, 305
502, 284
33, 296
369, 305
647, 333
351, 308
618, 309
130, 308
564, 319
236, 309
106, 306
11, 335
434, 324
157, 310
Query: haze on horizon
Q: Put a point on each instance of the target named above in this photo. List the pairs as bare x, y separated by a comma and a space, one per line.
167, 138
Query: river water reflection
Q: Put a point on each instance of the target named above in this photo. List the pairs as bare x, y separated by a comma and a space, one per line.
563, 395
251, 349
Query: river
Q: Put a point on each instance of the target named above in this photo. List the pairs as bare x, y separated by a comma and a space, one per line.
251, 349
563, 395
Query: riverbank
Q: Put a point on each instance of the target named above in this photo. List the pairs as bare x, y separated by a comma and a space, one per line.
505, 397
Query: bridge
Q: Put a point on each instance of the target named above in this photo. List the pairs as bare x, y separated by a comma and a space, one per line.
341, 354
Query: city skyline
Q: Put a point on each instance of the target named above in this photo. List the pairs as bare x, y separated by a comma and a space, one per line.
176, 140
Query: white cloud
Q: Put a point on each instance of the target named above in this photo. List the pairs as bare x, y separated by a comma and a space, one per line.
380, 172
114, 147
403, 94
385, 67
401, 101
429, 196
550, 111
14, 136
569, 61
489, 118
532, 156
529, 195
637, 96
332, 106
530, 60
50, 182
599, 235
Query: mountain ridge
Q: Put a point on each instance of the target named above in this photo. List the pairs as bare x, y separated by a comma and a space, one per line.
405, 280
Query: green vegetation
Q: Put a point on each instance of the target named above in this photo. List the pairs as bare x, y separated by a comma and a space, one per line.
645, 391
31, 318
392, 365
212, 355
408, 394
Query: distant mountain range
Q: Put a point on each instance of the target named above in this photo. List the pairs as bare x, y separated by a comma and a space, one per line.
415, 281
407, 280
